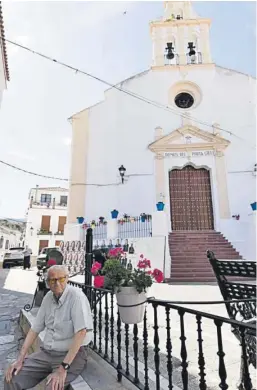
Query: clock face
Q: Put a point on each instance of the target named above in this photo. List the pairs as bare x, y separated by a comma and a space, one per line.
184, 100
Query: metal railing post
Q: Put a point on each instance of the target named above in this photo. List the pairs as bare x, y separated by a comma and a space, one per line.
88, 257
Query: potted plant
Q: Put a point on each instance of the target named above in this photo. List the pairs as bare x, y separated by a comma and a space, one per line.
80, 220
101, 220
129, 286
114, 214
160, 206
143, 217
253, 206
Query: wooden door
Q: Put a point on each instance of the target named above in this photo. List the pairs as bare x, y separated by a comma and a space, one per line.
61, 223
45, 222
191, 199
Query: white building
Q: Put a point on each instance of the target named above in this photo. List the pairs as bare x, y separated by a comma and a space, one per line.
4, 71
46, 217
11, 235
190, 145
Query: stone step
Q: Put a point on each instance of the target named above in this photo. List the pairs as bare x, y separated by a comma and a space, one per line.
189, 262
191, 279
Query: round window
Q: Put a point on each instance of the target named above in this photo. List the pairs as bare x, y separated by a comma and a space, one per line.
184, 100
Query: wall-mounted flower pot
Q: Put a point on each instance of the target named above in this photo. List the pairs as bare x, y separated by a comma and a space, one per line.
143, 218
114, 214
253, 206
80, 220
160, 206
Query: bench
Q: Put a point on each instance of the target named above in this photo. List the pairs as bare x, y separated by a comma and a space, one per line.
237, 283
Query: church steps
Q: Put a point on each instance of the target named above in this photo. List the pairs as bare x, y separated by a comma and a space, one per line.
189, 262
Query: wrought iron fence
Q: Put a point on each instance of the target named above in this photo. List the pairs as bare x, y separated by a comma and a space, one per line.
135, 227
170, 349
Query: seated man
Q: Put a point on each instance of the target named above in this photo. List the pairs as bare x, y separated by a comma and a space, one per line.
65, 315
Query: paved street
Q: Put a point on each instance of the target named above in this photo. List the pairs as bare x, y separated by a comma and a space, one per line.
10, 337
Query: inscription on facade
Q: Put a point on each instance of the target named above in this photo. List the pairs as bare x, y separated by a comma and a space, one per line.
190, 154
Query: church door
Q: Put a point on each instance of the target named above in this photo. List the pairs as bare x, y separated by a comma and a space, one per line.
191, 199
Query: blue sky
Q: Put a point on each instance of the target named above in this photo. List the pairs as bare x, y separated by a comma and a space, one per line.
98, 38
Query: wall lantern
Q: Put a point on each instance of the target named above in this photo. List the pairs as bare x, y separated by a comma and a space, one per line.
122, 171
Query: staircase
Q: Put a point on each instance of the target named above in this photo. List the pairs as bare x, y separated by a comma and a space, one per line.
188, 249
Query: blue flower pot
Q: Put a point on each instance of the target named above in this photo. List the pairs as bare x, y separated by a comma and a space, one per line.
143, 219
253, 206
114, 214
80, 220
160, 206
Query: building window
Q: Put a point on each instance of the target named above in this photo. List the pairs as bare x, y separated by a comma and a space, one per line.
1, 242
7, 244
45, 198
184, 100
63, 200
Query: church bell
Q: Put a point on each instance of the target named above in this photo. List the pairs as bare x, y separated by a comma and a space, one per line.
169, 49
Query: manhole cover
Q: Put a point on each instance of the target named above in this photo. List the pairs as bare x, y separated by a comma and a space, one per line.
5, 327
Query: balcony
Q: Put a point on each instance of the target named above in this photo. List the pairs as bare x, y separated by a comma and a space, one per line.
59, 233
44, 232
52, 205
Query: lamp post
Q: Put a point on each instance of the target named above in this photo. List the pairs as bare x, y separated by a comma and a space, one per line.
31, 230
122, 171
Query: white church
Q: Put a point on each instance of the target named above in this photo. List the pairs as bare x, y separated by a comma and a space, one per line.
186, 138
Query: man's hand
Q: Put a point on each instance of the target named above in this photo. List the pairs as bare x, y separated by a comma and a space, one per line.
13, 369
57, 379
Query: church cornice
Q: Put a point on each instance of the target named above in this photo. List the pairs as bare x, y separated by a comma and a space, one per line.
178, 23
182, 67
167, 142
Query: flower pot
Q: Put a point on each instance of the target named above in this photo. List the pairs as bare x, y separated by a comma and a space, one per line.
253, 206
114, 214
143, 218
80, 220
160, 206
126, 298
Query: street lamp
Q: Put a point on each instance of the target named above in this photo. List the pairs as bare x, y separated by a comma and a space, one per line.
122, 171
31, 230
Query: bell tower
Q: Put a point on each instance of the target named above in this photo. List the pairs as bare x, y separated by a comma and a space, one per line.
181, 37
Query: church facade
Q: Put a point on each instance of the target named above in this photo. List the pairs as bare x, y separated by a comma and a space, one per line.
184, 130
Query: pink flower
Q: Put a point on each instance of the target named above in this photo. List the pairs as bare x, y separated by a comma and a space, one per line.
95, 268
158, 275
97, 265
143, 264
149, 273
141, 256
99, 281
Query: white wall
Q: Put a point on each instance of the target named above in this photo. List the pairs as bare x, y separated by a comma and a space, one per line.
34, 220
121, 128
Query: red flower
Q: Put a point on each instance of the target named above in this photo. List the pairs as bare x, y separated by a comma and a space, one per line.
158, 275
143, 264
99, 281
141, 256
149, 272
96, 267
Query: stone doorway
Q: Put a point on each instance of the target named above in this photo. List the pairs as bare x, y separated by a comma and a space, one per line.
191, 199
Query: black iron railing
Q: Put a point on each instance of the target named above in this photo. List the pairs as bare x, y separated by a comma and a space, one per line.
170, 347
100, 231
136, 228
